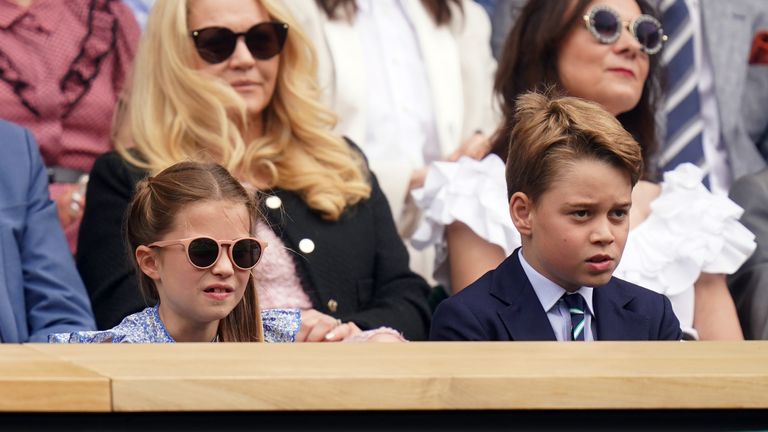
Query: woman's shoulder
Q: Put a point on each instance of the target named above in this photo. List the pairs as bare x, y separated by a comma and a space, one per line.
643, 194
356, 149
113, 165
689, 230
469, 191
685, 204
705, 220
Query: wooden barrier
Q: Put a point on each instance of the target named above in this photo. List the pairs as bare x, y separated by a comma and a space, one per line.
373, 377
31, 381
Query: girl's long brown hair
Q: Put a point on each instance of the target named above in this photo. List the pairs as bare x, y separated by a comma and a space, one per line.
153, 211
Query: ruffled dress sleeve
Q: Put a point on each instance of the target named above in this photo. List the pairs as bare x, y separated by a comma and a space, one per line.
689, 231
280, 325
469, 191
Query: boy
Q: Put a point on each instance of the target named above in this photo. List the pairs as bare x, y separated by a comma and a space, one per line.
569, 182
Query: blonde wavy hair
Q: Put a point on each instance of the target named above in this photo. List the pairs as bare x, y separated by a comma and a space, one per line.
171, 112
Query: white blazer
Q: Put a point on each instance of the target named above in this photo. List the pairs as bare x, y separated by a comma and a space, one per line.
460, 70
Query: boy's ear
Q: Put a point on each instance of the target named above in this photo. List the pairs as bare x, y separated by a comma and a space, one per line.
521, 209
147, 261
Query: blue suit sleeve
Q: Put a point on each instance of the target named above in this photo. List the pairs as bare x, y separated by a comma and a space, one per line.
454, 321
54, 294
670, 326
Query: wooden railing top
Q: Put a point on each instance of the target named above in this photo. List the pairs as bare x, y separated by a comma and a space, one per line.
408, 376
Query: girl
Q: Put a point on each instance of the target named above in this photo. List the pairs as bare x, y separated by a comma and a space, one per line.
189, 231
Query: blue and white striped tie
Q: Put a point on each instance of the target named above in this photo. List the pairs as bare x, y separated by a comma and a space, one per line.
683, 140
576, 306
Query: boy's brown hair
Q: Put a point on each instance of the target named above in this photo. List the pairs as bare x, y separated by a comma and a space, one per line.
552, 131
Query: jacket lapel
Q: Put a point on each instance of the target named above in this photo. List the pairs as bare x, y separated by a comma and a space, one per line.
440, 55
614, 320
293, 213
348, 78
524, 317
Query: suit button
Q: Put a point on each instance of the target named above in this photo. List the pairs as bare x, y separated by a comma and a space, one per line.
333, 305
307, 246
274, 202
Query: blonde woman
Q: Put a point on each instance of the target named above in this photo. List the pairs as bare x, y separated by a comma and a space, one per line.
233, 82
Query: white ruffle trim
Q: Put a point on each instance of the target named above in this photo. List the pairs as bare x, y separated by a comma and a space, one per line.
469, 191
689, 231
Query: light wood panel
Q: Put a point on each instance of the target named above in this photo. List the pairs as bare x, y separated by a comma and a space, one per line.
538, 375
33, 381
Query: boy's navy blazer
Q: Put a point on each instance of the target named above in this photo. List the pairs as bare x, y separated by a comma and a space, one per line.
502, 306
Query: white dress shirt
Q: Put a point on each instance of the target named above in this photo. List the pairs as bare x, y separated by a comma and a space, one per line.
550, 296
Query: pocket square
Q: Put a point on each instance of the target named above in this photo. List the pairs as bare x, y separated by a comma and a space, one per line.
759, 52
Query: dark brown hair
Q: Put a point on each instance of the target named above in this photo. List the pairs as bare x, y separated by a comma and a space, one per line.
439, 10
529, 62
552, 131
153, 212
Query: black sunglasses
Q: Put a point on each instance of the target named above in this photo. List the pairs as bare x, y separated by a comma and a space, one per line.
605, 24
264, 41
204, 252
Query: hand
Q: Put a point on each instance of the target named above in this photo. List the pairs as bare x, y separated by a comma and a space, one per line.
319, 327
385, 337
417, 178
477, 147
342, 332
70, 205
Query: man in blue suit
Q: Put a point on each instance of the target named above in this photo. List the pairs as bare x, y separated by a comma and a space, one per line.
40, 290
570, 186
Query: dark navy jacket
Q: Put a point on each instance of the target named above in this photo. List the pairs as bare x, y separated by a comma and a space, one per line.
502, 306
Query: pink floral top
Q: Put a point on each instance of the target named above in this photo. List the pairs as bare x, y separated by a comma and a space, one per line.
278, 285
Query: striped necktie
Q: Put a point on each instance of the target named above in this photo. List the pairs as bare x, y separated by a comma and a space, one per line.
683, 140
576, 306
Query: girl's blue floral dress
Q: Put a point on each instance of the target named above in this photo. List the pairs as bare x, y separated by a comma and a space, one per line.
280, 325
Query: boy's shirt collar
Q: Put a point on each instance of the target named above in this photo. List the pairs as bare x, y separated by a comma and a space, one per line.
548, 292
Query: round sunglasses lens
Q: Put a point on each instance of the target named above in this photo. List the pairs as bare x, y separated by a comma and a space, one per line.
265, 40
246, 253
215, 44
605, 24
648, 34
203, 252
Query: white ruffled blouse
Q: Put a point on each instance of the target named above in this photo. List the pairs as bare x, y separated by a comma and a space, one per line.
689, 230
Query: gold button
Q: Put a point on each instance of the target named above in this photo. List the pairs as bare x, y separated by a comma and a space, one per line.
333, 305
306, 245
274, 202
